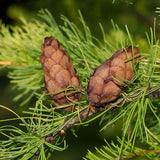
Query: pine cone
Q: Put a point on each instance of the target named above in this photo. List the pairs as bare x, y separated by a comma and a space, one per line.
59, 73
105, 85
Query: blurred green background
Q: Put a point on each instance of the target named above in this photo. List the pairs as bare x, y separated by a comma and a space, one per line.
138, 15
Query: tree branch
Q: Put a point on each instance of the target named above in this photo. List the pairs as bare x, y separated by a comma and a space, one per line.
9, 63
90, 110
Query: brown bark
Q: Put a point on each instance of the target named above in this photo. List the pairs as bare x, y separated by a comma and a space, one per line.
107, 81
59, 74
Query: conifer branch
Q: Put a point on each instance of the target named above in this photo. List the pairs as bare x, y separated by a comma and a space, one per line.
9, 63
20, 51
90, 111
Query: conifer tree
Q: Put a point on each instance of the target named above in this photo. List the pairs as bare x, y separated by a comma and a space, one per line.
43, 130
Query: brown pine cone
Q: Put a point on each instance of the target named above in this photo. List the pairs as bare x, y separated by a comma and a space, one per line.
105, 85
59, 73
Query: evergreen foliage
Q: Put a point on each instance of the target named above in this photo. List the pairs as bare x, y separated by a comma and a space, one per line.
20, 49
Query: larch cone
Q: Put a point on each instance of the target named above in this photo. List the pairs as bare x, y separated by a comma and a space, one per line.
59, 74
106, 83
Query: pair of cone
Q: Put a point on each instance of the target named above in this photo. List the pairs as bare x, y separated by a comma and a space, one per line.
105, 85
